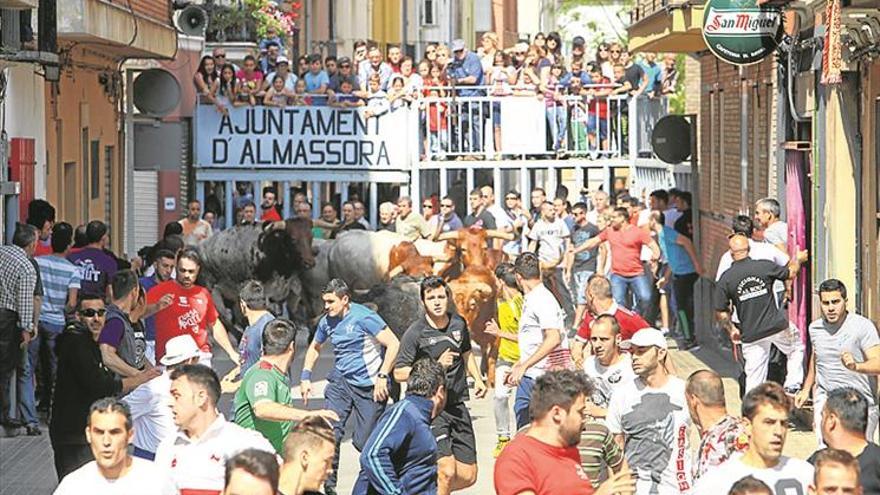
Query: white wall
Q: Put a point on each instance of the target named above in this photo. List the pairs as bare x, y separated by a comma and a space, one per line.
25, 108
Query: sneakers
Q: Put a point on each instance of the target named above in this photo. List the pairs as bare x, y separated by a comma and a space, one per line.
792, 390
502, 442
691, 345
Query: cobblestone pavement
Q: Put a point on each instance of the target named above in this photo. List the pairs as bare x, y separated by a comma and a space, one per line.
26, 462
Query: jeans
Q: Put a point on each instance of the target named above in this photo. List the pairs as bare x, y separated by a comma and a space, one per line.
641, 287
502, 398
556, 116
41, 356
683, 288
27, 408
522, 400
10, 338
348, 400
468, 134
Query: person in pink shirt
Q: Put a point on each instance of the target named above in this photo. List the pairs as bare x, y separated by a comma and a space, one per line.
250, 80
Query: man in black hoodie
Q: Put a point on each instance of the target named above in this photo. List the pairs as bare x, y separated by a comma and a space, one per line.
82, 379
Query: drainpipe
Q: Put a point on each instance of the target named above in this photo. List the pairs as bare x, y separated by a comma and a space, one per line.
743, 140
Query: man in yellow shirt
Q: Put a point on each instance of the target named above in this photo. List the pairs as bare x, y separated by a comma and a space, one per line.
510, 303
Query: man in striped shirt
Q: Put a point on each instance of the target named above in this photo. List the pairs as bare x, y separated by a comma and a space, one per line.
61, 284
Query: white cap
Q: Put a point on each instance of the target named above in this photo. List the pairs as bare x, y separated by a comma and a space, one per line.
282, 60
648, 337
179, 349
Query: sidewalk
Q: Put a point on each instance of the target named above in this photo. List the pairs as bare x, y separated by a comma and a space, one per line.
26, 466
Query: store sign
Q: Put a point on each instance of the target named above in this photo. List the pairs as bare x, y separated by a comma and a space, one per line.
301, 137
740, 32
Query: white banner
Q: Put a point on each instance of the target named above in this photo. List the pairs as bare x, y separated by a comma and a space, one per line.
523, 125
301, 137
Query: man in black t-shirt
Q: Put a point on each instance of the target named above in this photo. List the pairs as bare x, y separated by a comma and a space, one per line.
844, 422
479, 217
748, 284
444, 336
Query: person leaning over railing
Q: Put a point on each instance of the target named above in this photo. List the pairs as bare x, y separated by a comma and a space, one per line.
204, 79
345, 97
278, 95
250, 81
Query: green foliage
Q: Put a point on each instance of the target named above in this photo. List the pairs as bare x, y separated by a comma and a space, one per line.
570, 4
677, 99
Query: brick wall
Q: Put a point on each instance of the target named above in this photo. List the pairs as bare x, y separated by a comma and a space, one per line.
159, 10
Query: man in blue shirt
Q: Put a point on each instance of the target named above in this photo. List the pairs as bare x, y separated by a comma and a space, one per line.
465, 74
163, 268
254, 304
360, 377
401, 454
682, 268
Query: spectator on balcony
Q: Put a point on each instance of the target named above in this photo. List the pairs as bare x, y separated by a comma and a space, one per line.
442, 56
438, 125
299, 97
271, 38
539, 40
447, 220
331, 67
302, 65
360, 53
634, 75
577, 72
227, 88
597, 110
518, 58
344, 72
204, 79
270, 209
614, 52
413, 82
431, 52
554, 102
220, 59
344, 97
487, 51
653, 73
250, 81
373, 65
316, 79
603, 58
282, 69
395, 57
269, 58
397, 94
377, 100
578, 49
535, 61
669, 75
278, 95
465, 73
499, 80
554, 48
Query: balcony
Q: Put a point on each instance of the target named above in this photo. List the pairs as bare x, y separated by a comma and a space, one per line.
667, 26
120, 32
19, 4
435, 145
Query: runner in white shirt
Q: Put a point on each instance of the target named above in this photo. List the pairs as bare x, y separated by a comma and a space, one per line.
543, 344
607, 368
195, 459
149, 403
766, 408
649, 419
113, 472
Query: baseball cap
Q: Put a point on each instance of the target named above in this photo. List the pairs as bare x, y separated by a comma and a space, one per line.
282, 60
456, 45
578, 41
521, 47
179, 349
343, 61
648, 337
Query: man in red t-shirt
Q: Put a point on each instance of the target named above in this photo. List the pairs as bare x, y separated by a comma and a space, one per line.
270, 205
191, 310
626, 265
544, 459
600, 302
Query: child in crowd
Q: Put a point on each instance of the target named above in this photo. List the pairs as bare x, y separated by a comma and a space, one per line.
597, 110
554, 100
345, 97
377, 101
277, 95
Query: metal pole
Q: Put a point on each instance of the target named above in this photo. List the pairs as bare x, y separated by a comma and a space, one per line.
128, 242
230, 209
285, 198
743, 141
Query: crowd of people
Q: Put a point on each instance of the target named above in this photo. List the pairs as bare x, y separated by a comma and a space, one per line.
590, 298
585, 89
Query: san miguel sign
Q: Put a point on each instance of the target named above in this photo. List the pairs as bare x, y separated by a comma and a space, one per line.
740, 32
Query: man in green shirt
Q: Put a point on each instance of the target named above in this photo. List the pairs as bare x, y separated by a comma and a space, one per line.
409, 223
263, 401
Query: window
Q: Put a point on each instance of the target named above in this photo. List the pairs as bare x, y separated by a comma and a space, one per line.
429, 12
95, 164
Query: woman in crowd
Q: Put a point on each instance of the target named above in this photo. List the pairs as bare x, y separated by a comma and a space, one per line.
227, 88
488, 50
442, 56
204, 79
539, 40
603, 58
556, 109
413, 82
554, 47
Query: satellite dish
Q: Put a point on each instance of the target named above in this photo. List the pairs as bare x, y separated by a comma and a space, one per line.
671, 139
156, 92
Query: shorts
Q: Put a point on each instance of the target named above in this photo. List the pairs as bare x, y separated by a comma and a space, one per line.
454, 431
602, 122
579, 281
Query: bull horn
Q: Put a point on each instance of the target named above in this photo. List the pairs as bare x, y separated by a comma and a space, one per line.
397, 270
448, 236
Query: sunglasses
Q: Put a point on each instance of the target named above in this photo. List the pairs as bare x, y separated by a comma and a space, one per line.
427, 205
511, 198
91, 313
615, 51
345, 66
220, 56
445, 206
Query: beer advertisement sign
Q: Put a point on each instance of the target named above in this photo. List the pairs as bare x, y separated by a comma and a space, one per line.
740, 32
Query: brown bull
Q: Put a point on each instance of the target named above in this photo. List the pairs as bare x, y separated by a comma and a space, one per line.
405, 259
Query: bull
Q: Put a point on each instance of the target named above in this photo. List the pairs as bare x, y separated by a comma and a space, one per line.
276, 255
